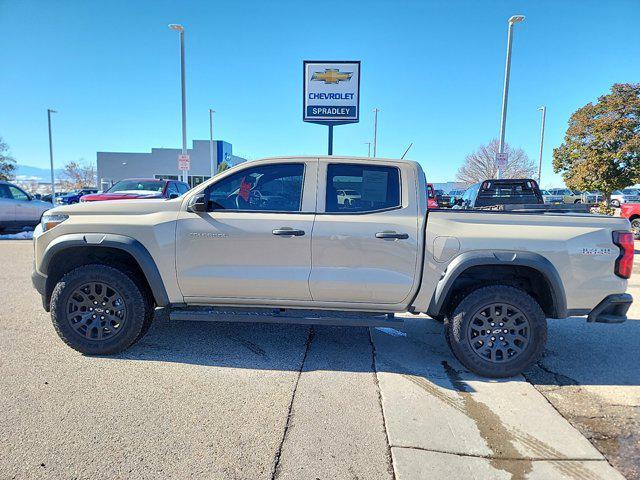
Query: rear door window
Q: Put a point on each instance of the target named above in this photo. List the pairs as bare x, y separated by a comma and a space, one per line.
361, 188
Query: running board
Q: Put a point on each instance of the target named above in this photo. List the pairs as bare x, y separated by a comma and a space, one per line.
288, 316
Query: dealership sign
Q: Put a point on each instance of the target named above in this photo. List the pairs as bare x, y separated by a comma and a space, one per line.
331, 92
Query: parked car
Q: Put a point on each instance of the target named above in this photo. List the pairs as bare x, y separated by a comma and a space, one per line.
136, 188
348, 197
432, 201
508, 191
74, 196
494, 276
568, 196
551, 199
47, 198
592, 198
631, 211
442, 198
455, 195
19, 209
627, 195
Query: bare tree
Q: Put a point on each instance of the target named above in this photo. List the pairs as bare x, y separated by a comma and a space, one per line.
79, 175
7, 162
481, 164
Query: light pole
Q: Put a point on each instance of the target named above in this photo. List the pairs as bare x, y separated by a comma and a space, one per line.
544, 116
53, 181
368, 144
180, 28
211, 112
505, 92
375, 132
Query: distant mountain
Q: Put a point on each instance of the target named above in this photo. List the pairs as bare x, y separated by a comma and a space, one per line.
42, 174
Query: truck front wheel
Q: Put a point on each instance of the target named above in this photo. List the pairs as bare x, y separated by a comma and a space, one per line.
497, 331
98, 310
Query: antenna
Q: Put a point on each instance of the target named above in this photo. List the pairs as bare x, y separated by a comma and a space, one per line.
406, 151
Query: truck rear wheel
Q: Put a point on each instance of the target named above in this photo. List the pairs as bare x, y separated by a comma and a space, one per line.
98, 310
497, 331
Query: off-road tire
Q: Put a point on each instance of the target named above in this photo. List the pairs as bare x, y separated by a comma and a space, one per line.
137, 309
635, 228
458, 326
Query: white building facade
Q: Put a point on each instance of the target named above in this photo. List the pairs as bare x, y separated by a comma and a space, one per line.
163, 163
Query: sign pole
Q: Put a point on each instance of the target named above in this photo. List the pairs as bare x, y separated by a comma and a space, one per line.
330, 140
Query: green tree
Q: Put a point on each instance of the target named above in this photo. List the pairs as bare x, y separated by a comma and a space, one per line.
222, 167
601, 149
7, 162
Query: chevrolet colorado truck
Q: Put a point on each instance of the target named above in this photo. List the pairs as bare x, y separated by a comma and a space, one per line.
270, 240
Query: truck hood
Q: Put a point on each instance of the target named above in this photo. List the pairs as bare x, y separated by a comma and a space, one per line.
122, 195
115, 207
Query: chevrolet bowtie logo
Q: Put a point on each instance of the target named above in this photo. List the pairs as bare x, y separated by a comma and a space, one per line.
331, 75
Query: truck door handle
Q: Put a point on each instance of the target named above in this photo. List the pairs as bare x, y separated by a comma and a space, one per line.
288, 232
388, 234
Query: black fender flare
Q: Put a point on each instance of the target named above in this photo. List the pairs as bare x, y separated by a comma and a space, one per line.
502, 258
130, 245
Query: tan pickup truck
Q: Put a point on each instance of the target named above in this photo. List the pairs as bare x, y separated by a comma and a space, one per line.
271, 240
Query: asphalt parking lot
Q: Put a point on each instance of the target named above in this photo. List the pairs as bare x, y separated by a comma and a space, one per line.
253, 401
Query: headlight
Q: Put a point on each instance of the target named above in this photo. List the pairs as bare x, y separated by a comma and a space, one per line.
50, 220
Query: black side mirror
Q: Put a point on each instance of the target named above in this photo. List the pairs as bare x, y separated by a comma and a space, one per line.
198, 204
173, 195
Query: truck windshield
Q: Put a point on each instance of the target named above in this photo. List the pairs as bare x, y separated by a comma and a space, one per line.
134, 185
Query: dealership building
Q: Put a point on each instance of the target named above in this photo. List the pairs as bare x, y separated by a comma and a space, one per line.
163, 163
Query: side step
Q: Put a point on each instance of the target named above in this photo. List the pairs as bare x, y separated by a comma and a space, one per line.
288, 316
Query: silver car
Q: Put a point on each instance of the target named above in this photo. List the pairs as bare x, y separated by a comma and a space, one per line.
627, 195
19, 209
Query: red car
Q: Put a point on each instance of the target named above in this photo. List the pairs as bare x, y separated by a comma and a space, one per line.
431, 197
134, 188
631, 211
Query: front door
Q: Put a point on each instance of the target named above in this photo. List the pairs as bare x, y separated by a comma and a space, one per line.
365, 244
254, 243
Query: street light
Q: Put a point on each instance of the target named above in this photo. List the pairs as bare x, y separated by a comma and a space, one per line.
53, 181
180, 28
544, 115
505, 93
375, 132
211, 112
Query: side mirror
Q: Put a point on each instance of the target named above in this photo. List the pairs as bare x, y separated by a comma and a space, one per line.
173, 195
198, 204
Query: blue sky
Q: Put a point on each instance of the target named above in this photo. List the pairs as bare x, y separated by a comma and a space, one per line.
434, 69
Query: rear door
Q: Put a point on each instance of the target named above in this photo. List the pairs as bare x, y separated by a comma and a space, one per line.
255, 242
366, 250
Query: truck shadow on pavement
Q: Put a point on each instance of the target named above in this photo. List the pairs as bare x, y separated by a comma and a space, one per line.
577, 352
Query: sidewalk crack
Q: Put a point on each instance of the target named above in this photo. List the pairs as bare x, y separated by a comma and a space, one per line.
390, 467
276, 459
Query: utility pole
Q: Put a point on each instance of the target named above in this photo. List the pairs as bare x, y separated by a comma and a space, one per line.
368, 144
53, 180
544, 115
505, 92
180, 29
211, 112
375, 132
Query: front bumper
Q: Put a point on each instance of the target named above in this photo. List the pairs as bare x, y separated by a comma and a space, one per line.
613, 309
39, 282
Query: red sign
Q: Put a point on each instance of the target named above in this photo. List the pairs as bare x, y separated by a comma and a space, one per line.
184, 162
